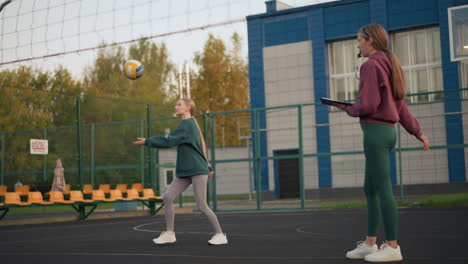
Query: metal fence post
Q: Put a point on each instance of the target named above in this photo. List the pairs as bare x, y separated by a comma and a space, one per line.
150, 152
2, 181
258, 159
301, 157
92, 153
79, 139
44, 162
213, 161
205, 135
142, 154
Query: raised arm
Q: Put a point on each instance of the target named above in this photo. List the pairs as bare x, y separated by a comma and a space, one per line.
175, 138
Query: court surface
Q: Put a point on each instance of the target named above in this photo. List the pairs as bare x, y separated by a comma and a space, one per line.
427, 235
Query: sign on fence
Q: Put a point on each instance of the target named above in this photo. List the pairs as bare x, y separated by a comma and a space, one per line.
39, 146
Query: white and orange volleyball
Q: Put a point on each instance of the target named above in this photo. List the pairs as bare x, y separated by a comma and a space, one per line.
133, 69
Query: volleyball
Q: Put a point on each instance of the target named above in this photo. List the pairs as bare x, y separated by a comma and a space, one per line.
133, 69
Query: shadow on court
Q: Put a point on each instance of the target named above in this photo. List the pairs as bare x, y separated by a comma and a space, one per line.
427, 235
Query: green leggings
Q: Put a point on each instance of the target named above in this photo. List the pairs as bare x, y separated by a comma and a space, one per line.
379, 140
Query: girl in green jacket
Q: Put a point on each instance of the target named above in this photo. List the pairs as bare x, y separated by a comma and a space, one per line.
192, 168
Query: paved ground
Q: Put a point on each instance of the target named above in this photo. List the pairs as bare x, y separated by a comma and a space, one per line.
427, 235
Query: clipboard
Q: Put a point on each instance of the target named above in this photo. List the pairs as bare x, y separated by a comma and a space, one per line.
328, 101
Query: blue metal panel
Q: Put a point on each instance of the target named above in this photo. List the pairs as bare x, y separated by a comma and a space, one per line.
286, 31
345, 20
257, 88
453, 123
378, 12
319, 50
405, 14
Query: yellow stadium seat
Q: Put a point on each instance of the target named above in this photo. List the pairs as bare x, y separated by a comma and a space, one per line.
87, 189
121, 187
36, 198
134, 195
14, 198
77, 196
22, 189
138, 187
3, 190
117, 195
149, 194
57, 197
98, 195
67, 189
105, 188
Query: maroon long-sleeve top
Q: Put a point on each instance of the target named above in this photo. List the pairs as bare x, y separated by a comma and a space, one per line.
376, 103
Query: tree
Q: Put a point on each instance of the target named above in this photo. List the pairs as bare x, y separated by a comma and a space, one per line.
221, 85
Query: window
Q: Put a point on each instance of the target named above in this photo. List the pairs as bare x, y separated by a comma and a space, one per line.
464, 77
344, 68
169, 176
419, 54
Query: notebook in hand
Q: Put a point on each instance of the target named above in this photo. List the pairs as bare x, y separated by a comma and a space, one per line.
329, 101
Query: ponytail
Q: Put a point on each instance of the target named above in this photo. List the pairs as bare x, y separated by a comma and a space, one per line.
397, 77
202, 140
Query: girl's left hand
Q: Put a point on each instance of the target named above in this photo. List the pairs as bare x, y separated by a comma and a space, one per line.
210, 174
139, 142
339, 106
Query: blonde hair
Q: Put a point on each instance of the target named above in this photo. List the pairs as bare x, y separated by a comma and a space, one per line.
379, 37
191, 103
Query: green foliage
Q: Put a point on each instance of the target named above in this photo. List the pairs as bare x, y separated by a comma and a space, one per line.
221, 85
33, 99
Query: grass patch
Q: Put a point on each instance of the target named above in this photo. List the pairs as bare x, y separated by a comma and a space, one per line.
456, 199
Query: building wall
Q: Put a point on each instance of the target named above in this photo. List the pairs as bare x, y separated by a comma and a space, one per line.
231, 178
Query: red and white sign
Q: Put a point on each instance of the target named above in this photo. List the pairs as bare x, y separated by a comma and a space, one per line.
39, 146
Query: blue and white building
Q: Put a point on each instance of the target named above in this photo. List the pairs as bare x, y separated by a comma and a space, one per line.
297, 55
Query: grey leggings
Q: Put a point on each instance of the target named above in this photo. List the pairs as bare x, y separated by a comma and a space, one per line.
179, 185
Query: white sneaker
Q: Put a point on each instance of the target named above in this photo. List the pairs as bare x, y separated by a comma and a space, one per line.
218, 239
385, 253
361, 250
165, 238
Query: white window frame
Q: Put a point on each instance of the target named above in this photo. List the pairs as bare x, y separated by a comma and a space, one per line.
413, 67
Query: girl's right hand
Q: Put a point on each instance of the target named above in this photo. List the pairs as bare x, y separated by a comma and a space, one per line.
139, 142
425, 141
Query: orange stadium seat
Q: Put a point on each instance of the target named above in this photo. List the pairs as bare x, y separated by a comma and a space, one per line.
117, 195
57, 197
99, 196
14, 198
149, 194
77, 196
36, 198
138, 187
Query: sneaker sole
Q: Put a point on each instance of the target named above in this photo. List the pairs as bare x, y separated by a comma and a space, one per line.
352, 257
217, 244
163, 243
386, 260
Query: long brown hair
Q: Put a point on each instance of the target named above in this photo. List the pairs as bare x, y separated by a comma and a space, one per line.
191, 103
379, 37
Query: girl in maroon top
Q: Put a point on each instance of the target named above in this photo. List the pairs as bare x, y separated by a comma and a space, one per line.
381, 105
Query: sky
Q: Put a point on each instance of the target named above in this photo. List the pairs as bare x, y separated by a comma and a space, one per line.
36, 28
